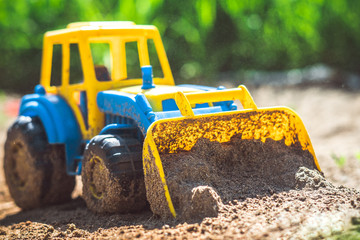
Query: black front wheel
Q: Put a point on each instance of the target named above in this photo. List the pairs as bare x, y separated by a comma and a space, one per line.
112, 175
35, 170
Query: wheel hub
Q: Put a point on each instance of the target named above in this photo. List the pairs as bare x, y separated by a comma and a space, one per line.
97, 178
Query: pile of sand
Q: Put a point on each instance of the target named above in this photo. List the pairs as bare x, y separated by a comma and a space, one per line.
212, 173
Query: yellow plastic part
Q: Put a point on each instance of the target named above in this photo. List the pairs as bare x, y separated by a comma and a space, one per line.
95, 160
185, 102
181, 134
116, 34
184, 105
154, 154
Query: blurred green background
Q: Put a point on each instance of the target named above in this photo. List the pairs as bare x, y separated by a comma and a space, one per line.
203, 38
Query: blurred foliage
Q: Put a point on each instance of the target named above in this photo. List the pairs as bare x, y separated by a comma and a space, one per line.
339, 160
202, 37
352, 233
3, 117
357, 155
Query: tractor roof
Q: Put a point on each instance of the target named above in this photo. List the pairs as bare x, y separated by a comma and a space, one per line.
94, 29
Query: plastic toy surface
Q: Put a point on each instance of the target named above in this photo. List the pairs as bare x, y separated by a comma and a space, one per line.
111, 127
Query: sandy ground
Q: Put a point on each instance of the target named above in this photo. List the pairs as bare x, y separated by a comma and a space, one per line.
322, 209
331, 118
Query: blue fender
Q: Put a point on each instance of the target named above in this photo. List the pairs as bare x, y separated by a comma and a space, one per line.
59, 122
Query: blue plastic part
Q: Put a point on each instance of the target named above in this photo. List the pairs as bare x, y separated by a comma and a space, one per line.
78, 172
145, 106
112, 127
169, 105
201, 105
39, 89
116, 119
59, 122
197, 111
226, 105
83, 107
147, 76
126, 105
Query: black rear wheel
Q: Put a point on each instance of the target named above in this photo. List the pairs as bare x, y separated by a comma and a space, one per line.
112, 175
35, 170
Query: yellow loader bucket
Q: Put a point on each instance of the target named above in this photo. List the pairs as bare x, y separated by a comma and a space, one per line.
194, 163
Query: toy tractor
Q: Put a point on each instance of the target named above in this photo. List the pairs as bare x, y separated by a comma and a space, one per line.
114, 123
